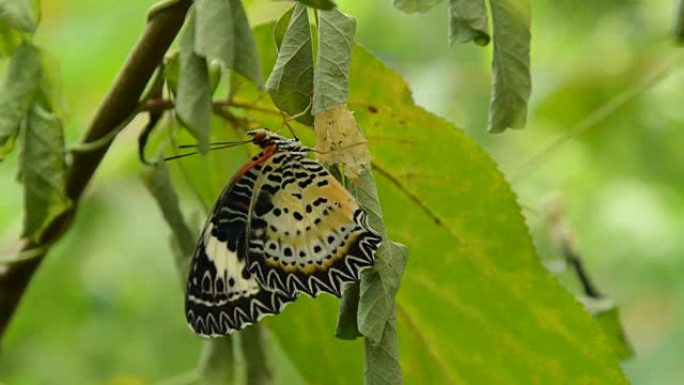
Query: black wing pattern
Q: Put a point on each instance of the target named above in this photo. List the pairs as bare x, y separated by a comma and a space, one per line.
222, 295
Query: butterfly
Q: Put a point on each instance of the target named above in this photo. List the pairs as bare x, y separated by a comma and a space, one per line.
281, 227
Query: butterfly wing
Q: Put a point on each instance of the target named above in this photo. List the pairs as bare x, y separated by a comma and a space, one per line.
306, 232
222, 295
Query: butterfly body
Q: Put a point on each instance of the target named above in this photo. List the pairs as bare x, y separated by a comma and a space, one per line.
282, 226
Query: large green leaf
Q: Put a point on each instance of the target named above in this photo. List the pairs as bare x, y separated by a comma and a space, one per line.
291, 81
468, 22
193, 100
223, 33
511, 65
475, 305
305, 330
335, 40
609, 319
43, 170
474, 292
18, 89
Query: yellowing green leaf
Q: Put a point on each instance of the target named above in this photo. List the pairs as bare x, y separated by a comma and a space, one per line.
193, 100
331, 75
474, 292
320, 357
18, 89
512, 85
223, 32
609, 319
43, 171
291, 81
468, 22
474, 295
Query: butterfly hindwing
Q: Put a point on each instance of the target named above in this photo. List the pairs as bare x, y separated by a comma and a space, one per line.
306, 232
222, 295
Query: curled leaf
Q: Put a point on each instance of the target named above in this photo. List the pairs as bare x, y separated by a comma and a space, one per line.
468, 22
338, 140
331, 76
291, 81
193, 100
19, 87
43, 171
512, 82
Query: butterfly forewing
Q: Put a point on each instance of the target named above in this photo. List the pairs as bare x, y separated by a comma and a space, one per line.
222, 295
306, 232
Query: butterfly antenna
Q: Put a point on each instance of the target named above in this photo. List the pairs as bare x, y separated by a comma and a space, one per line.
217, 146
179, 156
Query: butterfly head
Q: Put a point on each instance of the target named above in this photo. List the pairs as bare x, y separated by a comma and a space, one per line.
264, 138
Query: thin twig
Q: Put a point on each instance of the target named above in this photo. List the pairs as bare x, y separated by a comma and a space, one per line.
588, 285
596, 117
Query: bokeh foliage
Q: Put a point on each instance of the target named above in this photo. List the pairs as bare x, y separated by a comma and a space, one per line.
628, 162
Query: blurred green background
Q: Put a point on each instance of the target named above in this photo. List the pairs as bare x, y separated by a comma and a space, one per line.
105, 307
